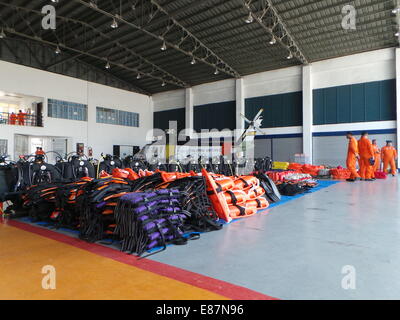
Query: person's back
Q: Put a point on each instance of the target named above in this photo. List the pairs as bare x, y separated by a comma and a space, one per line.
352, 155
389, 155
377, 156
366, 157
13, 118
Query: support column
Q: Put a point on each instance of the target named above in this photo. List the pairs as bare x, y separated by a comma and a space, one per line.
240, 106
308, 113
398, 96
189, 123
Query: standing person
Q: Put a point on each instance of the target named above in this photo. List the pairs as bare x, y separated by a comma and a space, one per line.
366, 157
39, 151
13, 118
21, 118
389, 155
352, 156
377, 156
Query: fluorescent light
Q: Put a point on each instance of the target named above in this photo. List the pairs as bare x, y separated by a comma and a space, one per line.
249, 19
114, 24
272, 41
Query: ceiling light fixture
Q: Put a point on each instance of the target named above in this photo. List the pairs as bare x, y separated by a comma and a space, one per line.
164, 46
58, 50
272, 41
396, 10
193, 61
108, 66
93, 4
249, 19
139, 76
2, 34
216, 71
114, 24
163, 84
290, 56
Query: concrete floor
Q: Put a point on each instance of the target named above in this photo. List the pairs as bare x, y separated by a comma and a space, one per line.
293, 251
298, 250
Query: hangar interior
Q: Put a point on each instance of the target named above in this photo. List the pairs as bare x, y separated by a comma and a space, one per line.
95, 78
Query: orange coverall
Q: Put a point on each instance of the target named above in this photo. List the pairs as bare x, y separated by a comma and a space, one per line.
13, 118
389, 155
351, 161
377, 157
366, 153
21, 118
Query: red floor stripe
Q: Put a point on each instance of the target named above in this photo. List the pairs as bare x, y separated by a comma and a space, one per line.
220, 287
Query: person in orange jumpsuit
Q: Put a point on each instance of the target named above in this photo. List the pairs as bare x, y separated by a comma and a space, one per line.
21, 118
352, 156
39, 151
13, 118
377, 156
389, 155
366, 157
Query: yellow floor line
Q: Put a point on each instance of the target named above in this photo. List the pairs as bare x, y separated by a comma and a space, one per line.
79, 274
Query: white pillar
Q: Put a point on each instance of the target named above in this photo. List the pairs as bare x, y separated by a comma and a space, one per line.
307, 113
189, 123
240, 105
398, 96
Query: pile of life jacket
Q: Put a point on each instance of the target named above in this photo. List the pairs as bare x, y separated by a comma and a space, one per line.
291, 183
271, 191
235, 197
340, 173
40, 200
195, 202
149, 220
97, 201
67, 213
306, 168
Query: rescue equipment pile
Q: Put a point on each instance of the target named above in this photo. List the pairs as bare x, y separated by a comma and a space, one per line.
149, 220
136, 207
291, 183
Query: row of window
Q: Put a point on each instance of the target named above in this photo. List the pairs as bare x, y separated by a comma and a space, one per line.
117, 117
76, 111
67, 110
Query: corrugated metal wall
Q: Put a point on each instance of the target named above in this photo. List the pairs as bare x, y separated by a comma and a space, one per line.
332, 150
280, 110
215, 116
372, 101
162, 118
278, 148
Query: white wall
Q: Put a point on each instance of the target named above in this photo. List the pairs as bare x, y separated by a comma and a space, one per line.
169, 100
359, 68
273, 82
101, 137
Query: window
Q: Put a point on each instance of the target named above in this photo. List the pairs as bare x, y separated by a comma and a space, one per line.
3, 147
117, 117
67, 110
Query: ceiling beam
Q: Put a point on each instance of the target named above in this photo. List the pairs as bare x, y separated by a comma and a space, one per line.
23, 35
278, 31
207, 57
166, 76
